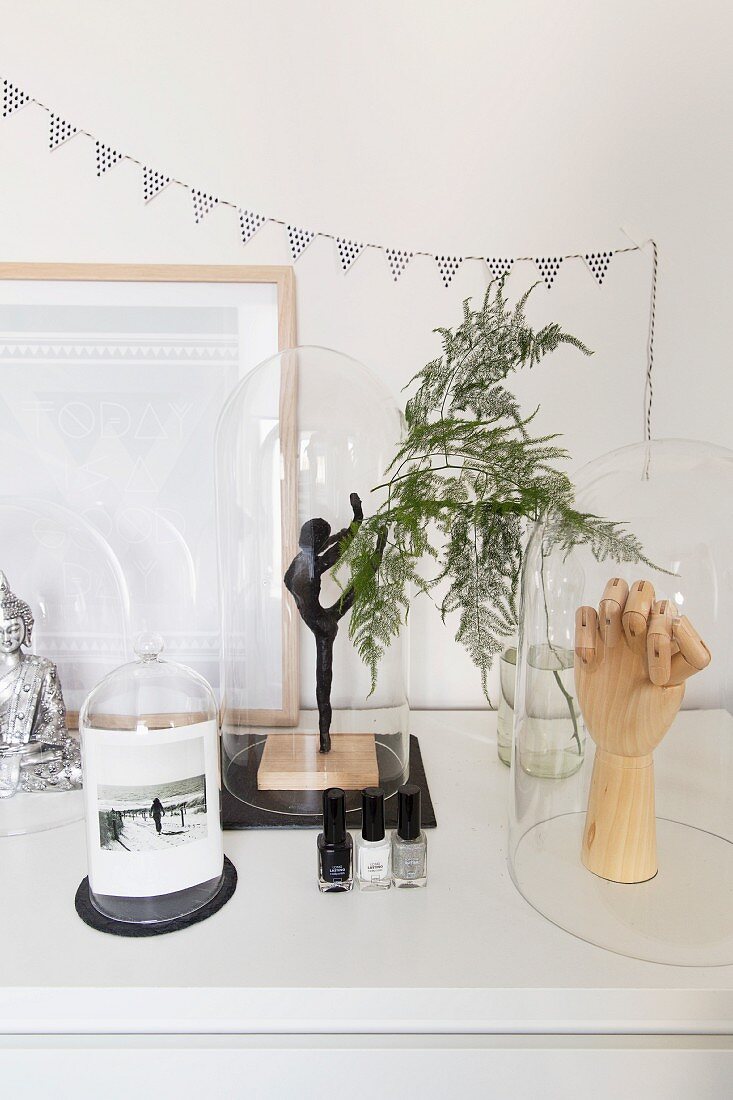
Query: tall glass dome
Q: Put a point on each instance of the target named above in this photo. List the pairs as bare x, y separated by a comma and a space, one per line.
301, 446
621, 821
69, 578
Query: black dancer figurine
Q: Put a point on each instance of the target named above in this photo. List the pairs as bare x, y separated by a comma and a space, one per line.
319, 551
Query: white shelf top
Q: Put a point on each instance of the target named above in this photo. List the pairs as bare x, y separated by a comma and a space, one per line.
465, 955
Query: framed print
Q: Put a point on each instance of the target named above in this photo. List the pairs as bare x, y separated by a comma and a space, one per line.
112, 379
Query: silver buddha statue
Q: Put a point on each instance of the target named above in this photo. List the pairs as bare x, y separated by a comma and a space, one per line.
35, 745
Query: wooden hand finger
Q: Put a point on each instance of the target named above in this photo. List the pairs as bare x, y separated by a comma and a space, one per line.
693, 654
659, 641
610, 610
636, 613
588, 642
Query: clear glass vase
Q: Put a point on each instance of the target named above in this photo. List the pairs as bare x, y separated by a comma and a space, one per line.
553, 738
548, 727
505, 715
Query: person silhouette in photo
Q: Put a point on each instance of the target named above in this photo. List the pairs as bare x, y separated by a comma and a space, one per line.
157, 812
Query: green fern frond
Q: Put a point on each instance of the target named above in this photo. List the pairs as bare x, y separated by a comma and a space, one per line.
461, 488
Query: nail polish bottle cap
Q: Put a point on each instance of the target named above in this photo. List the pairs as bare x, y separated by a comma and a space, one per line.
408, 812
334, 816
372, 813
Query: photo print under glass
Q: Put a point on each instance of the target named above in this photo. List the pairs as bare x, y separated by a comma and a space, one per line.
148, 815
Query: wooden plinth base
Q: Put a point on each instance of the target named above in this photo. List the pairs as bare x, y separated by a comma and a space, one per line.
292, 762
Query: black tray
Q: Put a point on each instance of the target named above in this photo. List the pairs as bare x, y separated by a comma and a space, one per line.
242, 815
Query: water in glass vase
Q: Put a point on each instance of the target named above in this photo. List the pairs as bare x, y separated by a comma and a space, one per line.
505, 715
552, 738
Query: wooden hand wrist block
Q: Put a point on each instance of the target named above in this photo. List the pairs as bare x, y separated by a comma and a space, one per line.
619, 841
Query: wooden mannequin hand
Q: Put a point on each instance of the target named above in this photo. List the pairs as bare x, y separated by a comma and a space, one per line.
631, 662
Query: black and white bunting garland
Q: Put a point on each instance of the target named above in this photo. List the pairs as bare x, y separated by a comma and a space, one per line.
398, 260
153, 183
598, 263
298, 239
59, 131
447, 266
106, 158
499, 268
348, 252
203, 204
548, 267
250, 221
13, 98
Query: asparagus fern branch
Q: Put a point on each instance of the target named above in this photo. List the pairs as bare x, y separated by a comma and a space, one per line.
467, 478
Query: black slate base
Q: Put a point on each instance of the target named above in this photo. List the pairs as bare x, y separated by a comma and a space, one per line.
242, 815
95, 919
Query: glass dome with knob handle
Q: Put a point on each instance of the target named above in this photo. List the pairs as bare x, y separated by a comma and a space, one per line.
150, 751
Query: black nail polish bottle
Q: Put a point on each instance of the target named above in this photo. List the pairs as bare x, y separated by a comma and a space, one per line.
335, 859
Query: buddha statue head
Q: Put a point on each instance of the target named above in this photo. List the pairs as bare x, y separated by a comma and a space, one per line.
16, 620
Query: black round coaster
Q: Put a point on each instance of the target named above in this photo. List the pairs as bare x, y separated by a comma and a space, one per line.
95, 919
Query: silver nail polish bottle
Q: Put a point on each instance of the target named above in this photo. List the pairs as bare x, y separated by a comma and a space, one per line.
409, 844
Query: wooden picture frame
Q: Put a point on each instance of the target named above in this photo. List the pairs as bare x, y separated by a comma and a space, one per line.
283, 281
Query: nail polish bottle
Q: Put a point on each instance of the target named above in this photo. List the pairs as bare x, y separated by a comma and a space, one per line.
373, 848
409, 843
335, 845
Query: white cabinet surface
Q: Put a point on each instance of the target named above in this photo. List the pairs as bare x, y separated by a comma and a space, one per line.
461, 988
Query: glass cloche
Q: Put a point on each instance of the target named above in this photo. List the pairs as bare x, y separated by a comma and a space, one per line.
150, 751
63, 620
301, 445
621, 824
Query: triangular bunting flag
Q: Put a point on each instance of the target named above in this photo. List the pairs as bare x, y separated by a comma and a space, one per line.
153, 183
59, 131
13, 98
299, 240
106, 157
398, 261
348, 251
548, 267
499, 268
598, 263
249, 223
203, 204
447, 266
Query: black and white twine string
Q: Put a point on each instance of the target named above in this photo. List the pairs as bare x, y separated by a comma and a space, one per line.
649, 387
649, 383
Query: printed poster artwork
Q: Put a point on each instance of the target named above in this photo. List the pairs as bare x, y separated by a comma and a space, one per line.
110, 410
150, 817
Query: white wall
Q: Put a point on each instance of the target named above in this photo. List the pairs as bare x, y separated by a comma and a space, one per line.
522, 128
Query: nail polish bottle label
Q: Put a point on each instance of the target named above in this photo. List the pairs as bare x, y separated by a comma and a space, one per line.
373, 863
336, 864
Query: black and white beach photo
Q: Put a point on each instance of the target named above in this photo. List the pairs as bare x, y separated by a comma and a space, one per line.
148, 817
